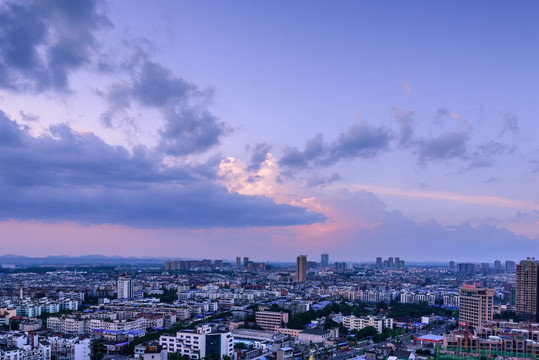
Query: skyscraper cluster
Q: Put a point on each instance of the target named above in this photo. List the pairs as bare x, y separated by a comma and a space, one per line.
248, 264
391, 263
485, 268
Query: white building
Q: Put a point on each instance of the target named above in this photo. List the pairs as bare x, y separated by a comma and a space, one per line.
357, 323
125, 287
67, 325
70, 348
24, 346
197, 344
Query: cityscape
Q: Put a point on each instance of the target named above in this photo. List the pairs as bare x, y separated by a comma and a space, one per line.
269, 180
245, 309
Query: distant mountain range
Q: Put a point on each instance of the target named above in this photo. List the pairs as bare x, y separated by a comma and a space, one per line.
11, 259
97, 259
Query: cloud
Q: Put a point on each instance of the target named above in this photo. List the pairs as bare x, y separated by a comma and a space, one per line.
360, 140
259, 155
485, 154
314, 149
188, 126
406, 121
510, 124
41, 43
315, 180
28, 117
379, 231
64, 175
449, 145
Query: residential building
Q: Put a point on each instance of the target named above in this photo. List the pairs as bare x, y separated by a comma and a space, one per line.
324, 260
357, 323
301, 268
74, 348
476, 305
527, 294
314, 336
271, 320
510, 266
197, 344
125, 287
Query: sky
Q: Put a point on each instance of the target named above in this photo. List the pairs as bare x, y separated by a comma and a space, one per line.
269, 129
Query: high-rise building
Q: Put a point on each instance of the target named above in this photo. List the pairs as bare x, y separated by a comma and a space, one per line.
301, 268
325, 260
397, 263
510, 266
245, 261
238, 261
475, 305
390, 262
526, 292
452, 265
125, 287
379, 262
498, 266
466, 269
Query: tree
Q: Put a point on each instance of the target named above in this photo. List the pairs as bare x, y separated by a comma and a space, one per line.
366, 332
177, 356
97, 351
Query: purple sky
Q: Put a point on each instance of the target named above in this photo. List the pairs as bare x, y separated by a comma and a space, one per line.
269, 129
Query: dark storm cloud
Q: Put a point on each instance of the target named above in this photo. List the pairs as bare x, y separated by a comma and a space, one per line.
67, 176
41, 42
357, 141
258, 155
189, 127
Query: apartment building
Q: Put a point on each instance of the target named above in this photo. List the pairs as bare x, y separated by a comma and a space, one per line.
206, 339
476, 305
357, 323
271, 320
526, 292
73, 348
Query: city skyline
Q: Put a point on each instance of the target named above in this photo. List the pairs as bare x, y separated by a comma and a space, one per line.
360, 130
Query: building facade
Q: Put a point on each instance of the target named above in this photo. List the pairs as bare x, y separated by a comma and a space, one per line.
475, 305
357, 323
526, 294
324, 261
198, 344
271, 320
125, 287
301, 268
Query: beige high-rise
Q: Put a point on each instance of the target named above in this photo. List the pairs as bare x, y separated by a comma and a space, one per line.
475, 305
301, 268
526, 294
